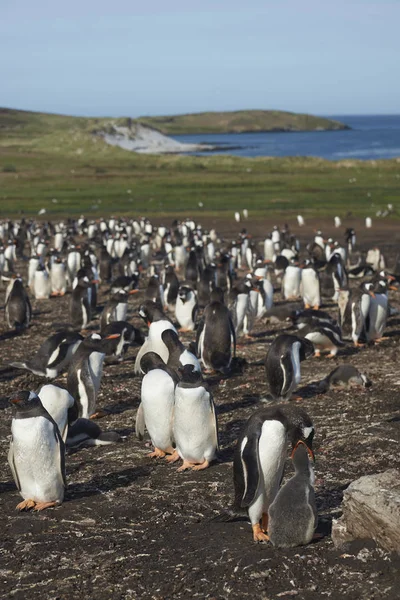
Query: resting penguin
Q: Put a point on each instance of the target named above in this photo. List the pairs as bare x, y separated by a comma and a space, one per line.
18, 310
85, 432
53, 356
58, 402
84, 374
178, 355
157, 322
116, 309
259, 460
37, 453
216, 338
195, 427
325, 337
344, 376
186, 307
292, 516
282, 364
156, 409
129, 336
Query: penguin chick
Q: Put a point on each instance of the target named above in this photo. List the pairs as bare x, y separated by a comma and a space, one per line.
344, 376
186, 307
37, 453
156, 409
282, 364
195, 427
292, 517
259, 460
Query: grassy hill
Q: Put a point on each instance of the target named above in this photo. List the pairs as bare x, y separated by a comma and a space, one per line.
55, 162
239, 122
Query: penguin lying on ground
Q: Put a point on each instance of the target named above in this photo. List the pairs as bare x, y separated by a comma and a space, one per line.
282, 364
259, 460
85, 432
325, 337
53, 356
292, 516
37, 453
344, 376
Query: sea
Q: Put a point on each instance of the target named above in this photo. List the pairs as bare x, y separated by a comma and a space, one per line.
370, 137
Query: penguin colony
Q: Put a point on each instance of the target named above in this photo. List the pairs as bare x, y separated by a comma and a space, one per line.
184, 279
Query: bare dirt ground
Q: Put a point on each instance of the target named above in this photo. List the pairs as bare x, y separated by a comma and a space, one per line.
132, 527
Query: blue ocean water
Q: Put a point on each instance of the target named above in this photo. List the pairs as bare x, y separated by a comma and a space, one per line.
370, 137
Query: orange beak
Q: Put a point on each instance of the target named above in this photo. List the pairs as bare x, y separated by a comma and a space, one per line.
372, 294
310, 452
133, 292
113, 336
95, 281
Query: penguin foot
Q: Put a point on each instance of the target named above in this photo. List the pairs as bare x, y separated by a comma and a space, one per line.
381, 339
185, 330
186, 465
316, 307
99, 414
296, 398
317, 354
172, 457
331, 355
201, 466
306, 306
358, 345
157, 453
258, 534
25, 505
42, 505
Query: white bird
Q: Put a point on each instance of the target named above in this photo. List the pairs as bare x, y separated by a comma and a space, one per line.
300, 220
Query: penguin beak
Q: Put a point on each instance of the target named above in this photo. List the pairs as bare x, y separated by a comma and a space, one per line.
309, 450
372, 294
95, 281
131, 292
113, 336
393, 287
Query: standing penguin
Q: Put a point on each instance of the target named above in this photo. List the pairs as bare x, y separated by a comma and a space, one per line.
186, 307
259, 460
378, 312
58, 402
216, 338
157, 322
85, 372
58, 277
37, 453
292, 517
171, 287
53, 356
282, 364
291, 282
195, 426
18, 310
242, 311
79, 308
116, 308
192, 268
310, 287
157, 404
41, 283
178, 355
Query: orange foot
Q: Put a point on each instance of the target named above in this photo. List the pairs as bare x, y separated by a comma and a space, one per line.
25, 505
258, 534
157, 453
186, 465
296, 398
99, 414
381, 339
306, 306
315, 307
185, 330
331, 355
358, 345
317, 354
172, 457
201, 466
264, 522
43, 505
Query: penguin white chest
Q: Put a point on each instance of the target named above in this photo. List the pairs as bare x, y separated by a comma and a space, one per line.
296, 362
158, 396
194, 425
184, 311
36, 455
96, 360
121, 311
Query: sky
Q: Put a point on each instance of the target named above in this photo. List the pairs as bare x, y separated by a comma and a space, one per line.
160, 57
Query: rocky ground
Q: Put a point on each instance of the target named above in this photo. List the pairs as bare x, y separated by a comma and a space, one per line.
132, 527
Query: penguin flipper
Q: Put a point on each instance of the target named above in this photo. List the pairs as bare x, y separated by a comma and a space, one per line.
200, 329
214, 422
12, 465
233, 335
140, 423
19, 365
287, 372
251, 469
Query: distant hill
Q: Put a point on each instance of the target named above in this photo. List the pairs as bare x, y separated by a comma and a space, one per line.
240, 121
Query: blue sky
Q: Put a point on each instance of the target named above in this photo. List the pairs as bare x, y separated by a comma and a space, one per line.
171, 56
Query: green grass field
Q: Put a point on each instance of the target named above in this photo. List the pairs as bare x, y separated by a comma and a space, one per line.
55, 162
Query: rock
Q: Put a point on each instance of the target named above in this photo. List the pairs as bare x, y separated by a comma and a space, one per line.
371, 509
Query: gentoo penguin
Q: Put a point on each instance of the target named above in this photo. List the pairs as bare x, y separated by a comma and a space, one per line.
192, 268
312, 317
216, 338
291, 282
156, 409
325, 337
292, 516
344, 376
178, 355
206, 284
59, 403
41, 283
171, 287
116, 308
195, 427
258, 298
375, 259
58, 278
37, 453
259, 460
155, 290
34, 262
79, 308
310, 288
105, 265
282, 364
186, 307
129, 335
85, 372
85, 432
242, 310
73, 262
354, 306
53, 356
378, 312
18, 310
157, 322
